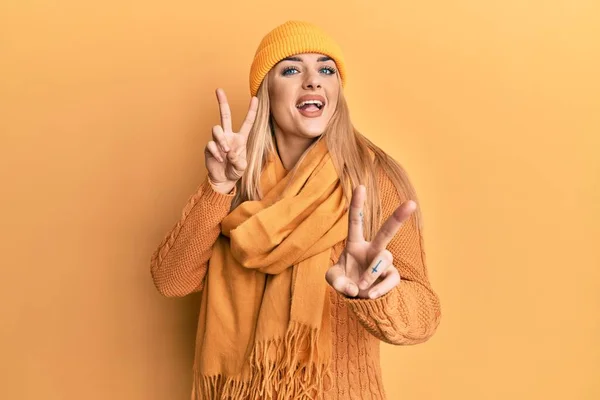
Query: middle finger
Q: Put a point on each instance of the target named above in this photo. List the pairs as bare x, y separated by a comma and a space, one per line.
224, 109
219, 138
391, 226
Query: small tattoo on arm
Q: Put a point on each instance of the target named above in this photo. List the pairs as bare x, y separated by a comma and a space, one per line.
374, 270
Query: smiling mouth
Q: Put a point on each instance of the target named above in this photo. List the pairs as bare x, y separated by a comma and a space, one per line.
310, 105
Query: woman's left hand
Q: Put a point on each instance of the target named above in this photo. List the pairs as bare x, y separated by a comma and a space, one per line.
366, 269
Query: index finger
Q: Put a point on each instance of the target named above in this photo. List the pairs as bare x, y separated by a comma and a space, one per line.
355, 215
391, 226
224, 110
250, 117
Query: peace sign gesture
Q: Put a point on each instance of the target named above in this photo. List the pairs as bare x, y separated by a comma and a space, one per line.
225, 155
366, 269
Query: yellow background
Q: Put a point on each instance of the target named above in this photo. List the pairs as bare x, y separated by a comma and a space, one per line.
492, 106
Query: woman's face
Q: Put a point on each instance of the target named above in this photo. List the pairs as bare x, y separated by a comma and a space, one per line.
303, 93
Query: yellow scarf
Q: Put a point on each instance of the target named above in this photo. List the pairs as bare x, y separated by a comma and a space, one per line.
264, 326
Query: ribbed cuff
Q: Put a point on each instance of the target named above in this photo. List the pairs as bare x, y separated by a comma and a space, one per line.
215, 197
376, 308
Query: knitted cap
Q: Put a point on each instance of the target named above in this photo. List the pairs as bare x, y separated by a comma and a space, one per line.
288, 39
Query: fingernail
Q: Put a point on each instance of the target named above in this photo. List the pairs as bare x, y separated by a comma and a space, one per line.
363, 284
374, 294
351, 290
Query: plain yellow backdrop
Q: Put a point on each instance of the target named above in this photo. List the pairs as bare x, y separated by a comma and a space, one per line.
492, 106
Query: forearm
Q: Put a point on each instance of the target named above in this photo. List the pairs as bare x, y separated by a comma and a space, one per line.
179, 264
409, 314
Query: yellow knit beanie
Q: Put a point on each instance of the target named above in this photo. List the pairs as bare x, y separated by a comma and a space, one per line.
288, 39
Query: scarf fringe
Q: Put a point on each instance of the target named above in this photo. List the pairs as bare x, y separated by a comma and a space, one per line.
276, 372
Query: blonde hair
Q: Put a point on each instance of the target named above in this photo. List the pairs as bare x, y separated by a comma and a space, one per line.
349, 151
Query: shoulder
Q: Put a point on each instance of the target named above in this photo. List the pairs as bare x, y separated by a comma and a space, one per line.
393, 184
390, 196
394, 189
392, 181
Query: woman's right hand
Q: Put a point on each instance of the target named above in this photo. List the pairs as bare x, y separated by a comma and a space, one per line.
225, 155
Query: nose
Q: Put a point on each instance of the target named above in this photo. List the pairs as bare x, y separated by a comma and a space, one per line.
312, 81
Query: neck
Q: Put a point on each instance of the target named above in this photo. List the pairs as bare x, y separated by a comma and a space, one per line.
290, 148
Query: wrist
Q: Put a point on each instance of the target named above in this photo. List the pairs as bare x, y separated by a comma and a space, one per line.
223, 188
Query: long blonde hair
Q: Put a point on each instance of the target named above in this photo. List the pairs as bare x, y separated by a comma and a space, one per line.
349, 151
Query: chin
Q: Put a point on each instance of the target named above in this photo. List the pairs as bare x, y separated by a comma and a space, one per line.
313, 132
314, 129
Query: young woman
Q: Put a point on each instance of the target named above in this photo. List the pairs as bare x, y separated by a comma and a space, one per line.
304, 239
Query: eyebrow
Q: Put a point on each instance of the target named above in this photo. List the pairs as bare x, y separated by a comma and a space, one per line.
320, 59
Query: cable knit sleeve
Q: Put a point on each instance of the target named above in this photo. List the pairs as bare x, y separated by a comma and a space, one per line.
179, 264
410, 313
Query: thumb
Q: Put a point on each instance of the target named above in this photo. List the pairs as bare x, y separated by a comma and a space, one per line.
336, 277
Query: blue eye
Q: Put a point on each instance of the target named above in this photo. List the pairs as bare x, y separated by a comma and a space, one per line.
328, 70
290, 71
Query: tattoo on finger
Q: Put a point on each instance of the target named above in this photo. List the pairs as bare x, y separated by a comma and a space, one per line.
374, 270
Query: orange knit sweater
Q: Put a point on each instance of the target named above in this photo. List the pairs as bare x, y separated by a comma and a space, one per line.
409, 314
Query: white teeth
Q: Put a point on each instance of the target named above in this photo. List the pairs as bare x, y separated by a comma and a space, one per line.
315, 102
